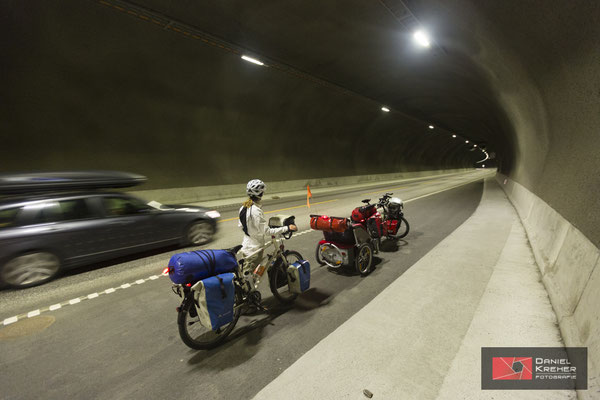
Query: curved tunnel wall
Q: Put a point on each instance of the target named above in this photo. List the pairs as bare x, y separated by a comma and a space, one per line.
94, 89
543, 62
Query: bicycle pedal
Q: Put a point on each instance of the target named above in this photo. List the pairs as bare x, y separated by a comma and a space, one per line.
259, 306
263, 308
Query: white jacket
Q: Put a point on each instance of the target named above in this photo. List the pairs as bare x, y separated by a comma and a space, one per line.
258, 230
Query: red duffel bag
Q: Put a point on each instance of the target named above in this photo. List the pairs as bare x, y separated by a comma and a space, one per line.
329, 224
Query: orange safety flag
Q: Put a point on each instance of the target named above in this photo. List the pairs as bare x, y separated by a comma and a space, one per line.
308, 196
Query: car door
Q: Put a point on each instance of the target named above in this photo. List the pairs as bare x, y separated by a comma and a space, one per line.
81, 228
64, 226
126, 224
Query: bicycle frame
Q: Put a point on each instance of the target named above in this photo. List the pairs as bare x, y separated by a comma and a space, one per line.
279, 248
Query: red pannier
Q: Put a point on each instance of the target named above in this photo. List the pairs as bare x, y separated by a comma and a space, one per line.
361, 214
328, 224
391, 226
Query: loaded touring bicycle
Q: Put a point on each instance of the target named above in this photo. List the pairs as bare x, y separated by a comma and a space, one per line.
214, 289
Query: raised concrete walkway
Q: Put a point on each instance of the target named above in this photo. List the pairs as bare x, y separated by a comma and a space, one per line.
421, 338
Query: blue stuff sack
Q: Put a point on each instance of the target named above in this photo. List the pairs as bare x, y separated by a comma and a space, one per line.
299, 276
192, 266
215, 297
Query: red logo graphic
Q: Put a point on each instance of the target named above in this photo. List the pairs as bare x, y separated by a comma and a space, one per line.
511, 368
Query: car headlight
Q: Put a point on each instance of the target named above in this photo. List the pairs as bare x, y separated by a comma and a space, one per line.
213, 214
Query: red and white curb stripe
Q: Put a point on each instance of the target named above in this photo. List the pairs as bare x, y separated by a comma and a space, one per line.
58, 306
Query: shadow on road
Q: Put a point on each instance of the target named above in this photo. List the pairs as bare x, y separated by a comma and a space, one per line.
244, 342
351, 271
241, 345
312, 299
392, 245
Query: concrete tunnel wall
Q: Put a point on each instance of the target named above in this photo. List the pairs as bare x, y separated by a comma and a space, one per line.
543, 63
90, 88
546, 73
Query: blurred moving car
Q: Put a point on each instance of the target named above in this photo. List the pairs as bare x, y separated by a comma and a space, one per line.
44, 233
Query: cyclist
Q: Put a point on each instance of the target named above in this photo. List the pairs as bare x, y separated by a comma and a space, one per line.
253, 223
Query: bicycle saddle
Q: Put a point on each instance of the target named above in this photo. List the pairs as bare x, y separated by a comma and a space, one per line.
235, 249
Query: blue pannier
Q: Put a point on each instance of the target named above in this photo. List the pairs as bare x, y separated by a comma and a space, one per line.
215, 297
299, 276
192, 266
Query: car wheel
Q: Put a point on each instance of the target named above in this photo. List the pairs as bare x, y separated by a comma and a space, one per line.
30, 269
200, 232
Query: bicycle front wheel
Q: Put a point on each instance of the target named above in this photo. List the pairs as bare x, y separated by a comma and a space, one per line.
278, 278
197, 336
403, 228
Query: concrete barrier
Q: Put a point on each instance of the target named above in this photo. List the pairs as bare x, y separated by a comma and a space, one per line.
569, 263
205, 193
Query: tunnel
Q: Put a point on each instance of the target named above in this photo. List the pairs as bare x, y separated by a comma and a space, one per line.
201, 97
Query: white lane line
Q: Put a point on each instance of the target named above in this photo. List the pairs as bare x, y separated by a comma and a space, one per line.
444, 190
57, 306
303, 232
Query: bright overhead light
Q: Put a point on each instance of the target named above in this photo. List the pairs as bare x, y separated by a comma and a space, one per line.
474, 145
422, 38
466, 141
453, 135
252, 60
385, 109
430, 126
483, 166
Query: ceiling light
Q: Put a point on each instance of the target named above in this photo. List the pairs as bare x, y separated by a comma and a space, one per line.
453, 135
252, 60
466, 141
422, 38
385, 109
474, 145
430, 126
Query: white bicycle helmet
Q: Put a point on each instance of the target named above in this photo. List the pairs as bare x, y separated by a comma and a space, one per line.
255, 188
395, 205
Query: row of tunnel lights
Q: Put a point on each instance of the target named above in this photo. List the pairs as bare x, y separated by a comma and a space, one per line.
454, 136
420, 38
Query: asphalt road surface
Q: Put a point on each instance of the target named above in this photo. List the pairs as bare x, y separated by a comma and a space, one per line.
115, 335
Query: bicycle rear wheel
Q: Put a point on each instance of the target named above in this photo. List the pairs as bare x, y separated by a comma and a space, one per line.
198, 336
278, 278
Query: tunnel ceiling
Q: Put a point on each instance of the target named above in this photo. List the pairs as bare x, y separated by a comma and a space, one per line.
367, 48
